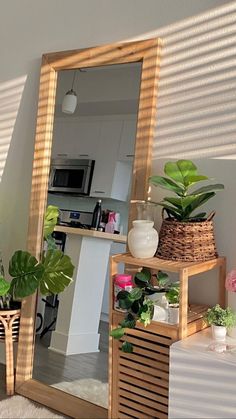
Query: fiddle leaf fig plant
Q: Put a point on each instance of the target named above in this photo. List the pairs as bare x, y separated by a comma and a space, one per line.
51, 275
182, 177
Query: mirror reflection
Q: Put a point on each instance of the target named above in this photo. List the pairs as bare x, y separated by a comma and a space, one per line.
92, 154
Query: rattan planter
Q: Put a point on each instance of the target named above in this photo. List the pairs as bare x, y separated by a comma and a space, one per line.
9, 332
190, 241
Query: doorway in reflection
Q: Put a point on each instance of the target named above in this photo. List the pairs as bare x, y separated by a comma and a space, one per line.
102, 128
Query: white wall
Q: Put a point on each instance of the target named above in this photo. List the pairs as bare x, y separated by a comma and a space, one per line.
27, 30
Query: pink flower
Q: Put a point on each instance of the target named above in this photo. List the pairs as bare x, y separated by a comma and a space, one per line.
230, 282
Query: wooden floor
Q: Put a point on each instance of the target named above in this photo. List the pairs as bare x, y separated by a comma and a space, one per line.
51, 367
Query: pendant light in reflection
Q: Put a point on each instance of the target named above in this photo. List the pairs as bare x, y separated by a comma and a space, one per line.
69, 102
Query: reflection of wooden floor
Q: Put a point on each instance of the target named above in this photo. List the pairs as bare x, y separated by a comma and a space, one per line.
51, 367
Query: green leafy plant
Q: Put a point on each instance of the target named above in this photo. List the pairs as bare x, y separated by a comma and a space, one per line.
172, 295
51, 275
182, 176
219, 316
139, 307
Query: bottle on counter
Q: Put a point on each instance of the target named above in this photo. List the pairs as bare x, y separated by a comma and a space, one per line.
97, 213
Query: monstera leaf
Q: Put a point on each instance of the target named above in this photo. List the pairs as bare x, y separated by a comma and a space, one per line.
26, 272
50, 220
58, 271
4, 286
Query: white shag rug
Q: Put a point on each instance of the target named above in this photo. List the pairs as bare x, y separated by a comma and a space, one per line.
20, 407
88, 389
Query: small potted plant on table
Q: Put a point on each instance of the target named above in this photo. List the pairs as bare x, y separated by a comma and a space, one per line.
220, 319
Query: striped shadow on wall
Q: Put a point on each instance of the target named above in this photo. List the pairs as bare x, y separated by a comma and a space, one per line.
197, 87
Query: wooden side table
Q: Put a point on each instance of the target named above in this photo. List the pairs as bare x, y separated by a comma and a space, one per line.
140, 380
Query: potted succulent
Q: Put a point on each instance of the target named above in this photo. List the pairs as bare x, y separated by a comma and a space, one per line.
220, 319
138, 303
172, 296
187, 233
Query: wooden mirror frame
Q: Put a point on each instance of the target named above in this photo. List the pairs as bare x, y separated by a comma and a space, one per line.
146, 52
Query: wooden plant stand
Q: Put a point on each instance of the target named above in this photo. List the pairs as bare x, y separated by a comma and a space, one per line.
9, 331
139, 382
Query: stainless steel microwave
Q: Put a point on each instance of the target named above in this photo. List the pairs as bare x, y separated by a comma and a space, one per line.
71, 176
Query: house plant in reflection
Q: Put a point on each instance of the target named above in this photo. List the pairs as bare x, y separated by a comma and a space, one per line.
49, 276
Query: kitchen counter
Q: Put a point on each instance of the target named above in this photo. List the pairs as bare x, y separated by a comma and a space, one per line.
119, 238
79, 311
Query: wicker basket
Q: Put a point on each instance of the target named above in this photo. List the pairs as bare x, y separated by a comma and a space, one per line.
191, 241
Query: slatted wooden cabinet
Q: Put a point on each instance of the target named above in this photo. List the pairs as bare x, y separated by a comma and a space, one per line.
139, 381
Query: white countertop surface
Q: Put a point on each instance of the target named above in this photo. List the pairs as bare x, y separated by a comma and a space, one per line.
120, 238
201, 343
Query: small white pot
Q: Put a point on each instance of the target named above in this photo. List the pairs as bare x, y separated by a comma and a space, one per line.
160, 314
218, 332
173, 314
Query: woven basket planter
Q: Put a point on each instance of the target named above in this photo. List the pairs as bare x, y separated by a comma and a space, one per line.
189, 242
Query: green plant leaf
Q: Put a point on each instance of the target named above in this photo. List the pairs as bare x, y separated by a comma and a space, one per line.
127, 347
172, 170
177, 211
117, 333
50, 220
58, 272
4, 286
180, 202
129, 321
124, 301
197, 202
143, 276
135, 294
51, 242
173, 293
163, 279
191, 180
208, 188
166, 183
187, 168
26, 273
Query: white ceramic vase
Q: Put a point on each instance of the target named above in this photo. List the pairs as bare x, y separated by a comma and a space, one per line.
143, 239
218, 332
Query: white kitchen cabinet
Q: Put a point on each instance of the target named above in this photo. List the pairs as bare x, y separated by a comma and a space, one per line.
107, 171
127, 142
75, 139
62, 146
105, 139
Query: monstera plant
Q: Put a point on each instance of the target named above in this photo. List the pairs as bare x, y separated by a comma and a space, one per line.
182, 177
51, 275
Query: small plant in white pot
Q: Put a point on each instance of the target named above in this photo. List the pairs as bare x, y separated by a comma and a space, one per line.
220, 319
172, 296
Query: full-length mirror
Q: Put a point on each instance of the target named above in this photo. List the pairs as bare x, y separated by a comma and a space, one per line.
96, 119
71, 351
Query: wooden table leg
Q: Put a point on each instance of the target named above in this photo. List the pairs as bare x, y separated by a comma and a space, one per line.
9, 363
